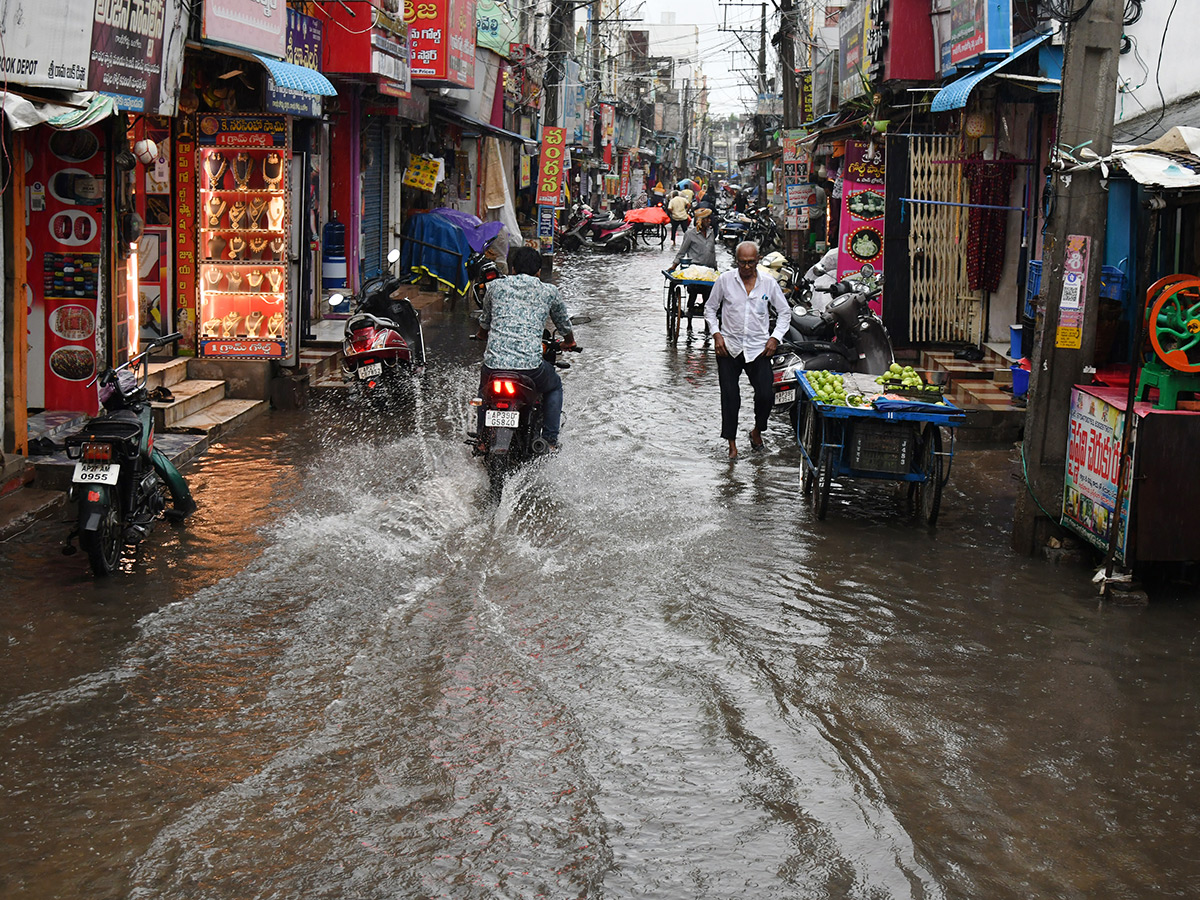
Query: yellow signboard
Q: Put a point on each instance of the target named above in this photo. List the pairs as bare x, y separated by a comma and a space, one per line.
422, 173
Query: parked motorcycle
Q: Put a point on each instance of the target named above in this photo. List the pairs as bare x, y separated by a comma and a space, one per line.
584, 228
733, 229
847, 336
508, 419
482, 270
383, 344
763, 230
784, 271
121, 479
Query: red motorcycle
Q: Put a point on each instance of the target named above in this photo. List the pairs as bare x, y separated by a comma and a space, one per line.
584, 229
383, 345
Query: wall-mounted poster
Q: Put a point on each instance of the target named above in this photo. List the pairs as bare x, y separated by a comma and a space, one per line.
862, 211
1093, 464
66, 190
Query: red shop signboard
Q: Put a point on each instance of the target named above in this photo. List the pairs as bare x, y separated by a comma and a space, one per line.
441, 41
550, 171
66, 204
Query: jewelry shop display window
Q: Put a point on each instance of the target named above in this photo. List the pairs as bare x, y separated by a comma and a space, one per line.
243, 237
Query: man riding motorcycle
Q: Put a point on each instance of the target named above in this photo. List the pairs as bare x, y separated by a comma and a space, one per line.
513, 319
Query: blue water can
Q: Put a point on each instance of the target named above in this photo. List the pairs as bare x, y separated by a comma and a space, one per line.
1014, 341
1020, 381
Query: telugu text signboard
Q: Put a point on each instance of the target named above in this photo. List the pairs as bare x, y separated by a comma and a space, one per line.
550, 169
441, 41
978, 28
253, 24
1093, 465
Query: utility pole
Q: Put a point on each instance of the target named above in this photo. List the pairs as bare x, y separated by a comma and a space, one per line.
762, 92
791, 116
556, 67
683, 138
1086, 108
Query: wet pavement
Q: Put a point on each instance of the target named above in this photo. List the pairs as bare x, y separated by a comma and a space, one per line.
648, 673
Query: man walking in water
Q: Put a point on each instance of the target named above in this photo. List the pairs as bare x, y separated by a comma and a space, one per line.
737, 313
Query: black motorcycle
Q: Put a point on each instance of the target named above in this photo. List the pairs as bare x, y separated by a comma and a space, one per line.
847, 336
482, 270
121, 480
508, 418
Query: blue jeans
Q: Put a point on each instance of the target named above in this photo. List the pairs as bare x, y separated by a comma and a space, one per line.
546, 379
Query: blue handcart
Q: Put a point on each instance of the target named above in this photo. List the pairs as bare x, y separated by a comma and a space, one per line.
892, 441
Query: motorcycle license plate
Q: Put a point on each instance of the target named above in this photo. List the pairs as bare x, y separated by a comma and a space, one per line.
96, 473
501, 418
788, 396
370, 371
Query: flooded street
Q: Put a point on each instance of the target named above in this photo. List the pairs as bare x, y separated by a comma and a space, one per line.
648, 673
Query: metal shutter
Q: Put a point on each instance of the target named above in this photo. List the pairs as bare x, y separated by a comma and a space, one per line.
375, 199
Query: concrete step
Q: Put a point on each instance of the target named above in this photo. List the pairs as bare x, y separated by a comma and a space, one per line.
53, 472
958, 369
22, 508
220, 418
55, 424
331, 381
166, 373
320, 361
191, 396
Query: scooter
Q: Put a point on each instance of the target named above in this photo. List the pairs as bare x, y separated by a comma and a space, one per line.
121, 479
482, 271
383, 344
508, 419
847, 336
584, 229
763, 230
784, 272
733, 229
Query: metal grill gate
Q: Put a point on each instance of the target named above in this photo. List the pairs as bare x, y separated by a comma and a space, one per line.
943, 309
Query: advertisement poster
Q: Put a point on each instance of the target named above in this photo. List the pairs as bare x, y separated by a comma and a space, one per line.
1069, 333
862, 211
546, 229
45, 44
303, 48
495, 26
185, 236
422, 173
441, 41
623, 187
1093, 463
127, 52
66, 191
550, 169
574, 100
853, 58
252, 24
978, 27
526, 177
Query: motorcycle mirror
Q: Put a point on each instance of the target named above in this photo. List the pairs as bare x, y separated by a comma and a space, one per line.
336, 299
393, 254
867, 270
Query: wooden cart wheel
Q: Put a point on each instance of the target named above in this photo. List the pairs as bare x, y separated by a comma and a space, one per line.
929, 491
808, 440
824, 479
673, 312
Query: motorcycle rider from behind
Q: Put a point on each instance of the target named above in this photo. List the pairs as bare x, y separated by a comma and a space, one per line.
513, 319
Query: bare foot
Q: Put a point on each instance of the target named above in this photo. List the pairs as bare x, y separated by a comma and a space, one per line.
756, 441
732, 450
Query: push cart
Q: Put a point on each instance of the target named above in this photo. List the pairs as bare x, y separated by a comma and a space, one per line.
678, 303
896, 440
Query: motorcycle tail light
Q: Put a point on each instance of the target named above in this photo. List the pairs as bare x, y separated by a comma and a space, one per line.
504, 386
491, 275
97, 453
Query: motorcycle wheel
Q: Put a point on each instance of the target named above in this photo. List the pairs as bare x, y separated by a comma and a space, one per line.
571, 242
103, 546
497, 469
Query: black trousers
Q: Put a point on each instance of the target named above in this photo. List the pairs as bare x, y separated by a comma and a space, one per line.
729, 373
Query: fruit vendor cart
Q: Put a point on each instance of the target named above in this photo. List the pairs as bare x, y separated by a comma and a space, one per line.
888, 435
677, 300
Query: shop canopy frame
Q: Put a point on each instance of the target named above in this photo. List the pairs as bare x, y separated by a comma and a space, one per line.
956, 93
284, 74
454, 117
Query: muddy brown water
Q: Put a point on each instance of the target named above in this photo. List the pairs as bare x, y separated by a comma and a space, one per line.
647, 673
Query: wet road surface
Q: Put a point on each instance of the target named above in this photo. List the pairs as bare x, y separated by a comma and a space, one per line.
648, 673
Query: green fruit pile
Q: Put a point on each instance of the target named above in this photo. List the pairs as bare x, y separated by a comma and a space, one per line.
830, 389
908, 378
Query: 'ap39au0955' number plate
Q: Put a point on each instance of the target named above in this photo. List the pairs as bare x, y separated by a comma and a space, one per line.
502, 418
96, 473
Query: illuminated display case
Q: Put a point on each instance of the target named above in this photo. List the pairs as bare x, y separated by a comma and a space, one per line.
243, 229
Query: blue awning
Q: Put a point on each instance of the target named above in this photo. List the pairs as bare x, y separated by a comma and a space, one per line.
298, 78
955, 94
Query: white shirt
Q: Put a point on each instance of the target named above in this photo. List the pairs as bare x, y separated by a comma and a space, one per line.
744, 316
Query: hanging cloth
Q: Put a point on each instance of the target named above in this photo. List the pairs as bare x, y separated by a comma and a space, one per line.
987, 229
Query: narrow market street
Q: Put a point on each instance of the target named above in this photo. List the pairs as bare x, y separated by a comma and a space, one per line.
648, 673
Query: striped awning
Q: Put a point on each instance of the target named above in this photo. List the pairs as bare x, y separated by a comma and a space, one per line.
297, 78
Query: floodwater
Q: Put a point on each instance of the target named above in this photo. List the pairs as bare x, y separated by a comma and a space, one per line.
648, 673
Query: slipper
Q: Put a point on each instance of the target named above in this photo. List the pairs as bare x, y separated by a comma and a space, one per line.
970, 354
756, 445
161, 394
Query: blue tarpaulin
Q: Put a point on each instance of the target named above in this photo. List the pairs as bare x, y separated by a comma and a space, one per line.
433, 244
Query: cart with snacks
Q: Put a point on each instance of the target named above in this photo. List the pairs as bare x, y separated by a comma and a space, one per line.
678, 299
853, 426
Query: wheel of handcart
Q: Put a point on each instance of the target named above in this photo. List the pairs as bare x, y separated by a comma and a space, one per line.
674, 312
929, 463
825, 480
808, 440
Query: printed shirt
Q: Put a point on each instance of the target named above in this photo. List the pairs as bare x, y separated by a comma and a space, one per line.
701, 249
744, 317
514, 316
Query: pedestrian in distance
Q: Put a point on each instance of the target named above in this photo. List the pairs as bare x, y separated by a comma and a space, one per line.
678, 208
513, 320
737, 314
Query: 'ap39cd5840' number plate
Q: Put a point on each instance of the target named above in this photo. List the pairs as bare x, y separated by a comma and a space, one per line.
96, 473
502, 418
